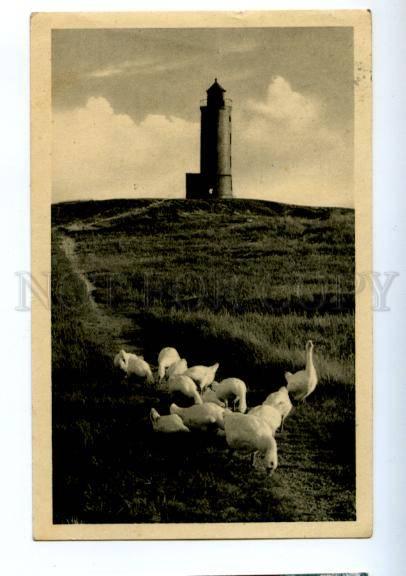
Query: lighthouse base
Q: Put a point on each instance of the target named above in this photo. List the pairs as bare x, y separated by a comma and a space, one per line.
200, 186
224, 186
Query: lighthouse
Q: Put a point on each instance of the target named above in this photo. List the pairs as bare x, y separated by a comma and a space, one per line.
214, 180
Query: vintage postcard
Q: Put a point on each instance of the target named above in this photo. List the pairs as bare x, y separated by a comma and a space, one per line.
201, 206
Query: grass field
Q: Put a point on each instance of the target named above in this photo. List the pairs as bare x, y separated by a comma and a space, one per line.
245, 283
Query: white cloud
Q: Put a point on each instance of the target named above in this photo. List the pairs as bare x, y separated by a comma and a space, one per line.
286, 150
100, 154
285, 105
131, 67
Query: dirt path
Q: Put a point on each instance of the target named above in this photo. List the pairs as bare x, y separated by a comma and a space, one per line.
104, 322
68, 247
101, 222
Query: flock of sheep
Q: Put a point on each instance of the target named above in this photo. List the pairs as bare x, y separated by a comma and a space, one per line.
222, 405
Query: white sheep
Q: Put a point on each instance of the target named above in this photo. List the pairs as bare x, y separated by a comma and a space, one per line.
132, 364
203, 375
270, 414
232, 388
184, 385
280, 399
303, 383
178, 367
166, 357
209, 395
200, 416
167, 424
249, 434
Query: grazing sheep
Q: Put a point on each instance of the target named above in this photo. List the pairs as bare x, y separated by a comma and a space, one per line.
270, 414
302, 383
178, 367
232, 388
280, 399
185, 385
166, 357
250, 434
132, 364
200, 416
203, 375
167, 424
209, 395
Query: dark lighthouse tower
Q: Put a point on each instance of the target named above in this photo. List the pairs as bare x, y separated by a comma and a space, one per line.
214, 180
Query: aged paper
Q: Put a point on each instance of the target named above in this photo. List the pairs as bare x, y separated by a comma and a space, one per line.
234, 227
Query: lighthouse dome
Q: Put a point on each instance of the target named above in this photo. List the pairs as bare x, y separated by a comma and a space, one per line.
215, 94
215, 87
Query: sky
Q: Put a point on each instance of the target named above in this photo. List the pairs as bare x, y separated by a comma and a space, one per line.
126, 116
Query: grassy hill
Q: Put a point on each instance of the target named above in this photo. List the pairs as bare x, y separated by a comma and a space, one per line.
241, 282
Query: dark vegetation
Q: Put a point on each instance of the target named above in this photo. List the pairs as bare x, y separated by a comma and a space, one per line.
245, 283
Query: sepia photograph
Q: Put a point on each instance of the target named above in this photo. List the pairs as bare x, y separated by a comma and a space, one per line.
201, 197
